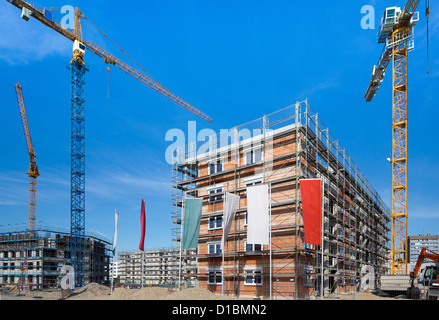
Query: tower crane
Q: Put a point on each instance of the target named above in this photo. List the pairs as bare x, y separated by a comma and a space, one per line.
33, 172
78, 70
396, 31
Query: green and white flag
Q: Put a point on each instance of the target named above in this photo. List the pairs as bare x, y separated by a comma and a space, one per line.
191, 223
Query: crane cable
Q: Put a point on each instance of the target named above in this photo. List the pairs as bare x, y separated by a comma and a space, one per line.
121, 49
427, 14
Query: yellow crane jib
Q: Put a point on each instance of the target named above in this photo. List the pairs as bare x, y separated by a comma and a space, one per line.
33, 172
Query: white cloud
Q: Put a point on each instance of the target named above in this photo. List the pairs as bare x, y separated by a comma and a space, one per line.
122, 183
318, 87
13, 189
23, 42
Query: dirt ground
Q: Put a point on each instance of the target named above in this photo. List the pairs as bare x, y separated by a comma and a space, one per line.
364, 296
95, 291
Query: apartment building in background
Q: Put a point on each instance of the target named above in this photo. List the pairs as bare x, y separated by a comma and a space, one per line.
158, 267
33, 260
416, 243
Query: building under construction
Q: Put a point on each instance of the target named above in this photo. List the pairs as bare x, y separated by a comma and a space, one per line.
33, 259
279, 150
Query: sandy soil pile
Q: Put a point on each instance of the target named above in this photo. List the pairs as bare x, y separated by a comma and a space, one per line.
198, 294
94, 291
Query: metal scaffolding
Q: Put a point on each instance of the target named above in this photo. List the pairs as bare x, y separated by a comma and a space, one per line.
295, 145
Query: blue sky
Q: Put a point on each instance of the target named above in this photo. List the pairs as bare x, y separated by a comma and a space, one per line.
234, 60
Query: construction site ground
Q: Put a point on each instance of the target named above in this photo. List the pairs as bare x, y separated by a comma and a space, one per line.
95, 291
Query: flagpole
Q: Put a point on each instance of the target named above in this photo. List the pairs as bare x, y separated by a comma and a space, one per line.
181, 240
143, 256
114, 248
143, 252
323, 228
223, 246
222, 271
231, 204
112, 276
223, 249
271, 252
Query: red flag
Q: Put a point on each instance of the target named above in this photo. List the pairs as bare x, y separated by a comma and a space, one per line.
142, 226
311, 193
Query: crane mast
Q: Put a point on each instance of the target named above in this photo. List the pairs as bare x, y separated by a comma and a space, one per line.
397, 34
33, 172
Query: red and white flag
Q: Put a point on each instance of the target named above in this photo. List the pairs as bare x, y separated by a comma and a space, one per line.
311, 194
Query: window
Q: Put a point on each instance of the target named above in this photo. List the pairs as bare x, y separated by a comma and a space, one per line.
253, 277
342, 251
215, 166
391, 13
215, 196
252, 247
215, 277
352, 237
253, 182
253, 155
215, 222
352, 254
214, 247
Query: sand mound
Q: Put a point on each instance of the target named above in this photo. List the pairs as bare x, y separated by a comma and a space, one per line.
196, 293
147, 293
91, 291
94, 291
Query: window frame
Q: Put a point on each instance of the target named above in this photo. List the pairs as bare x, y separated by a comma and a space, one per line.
215, 219
216, 162
216, 247
216, 198
253, 158
253, 274
215, 273
253, 181
253, 247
